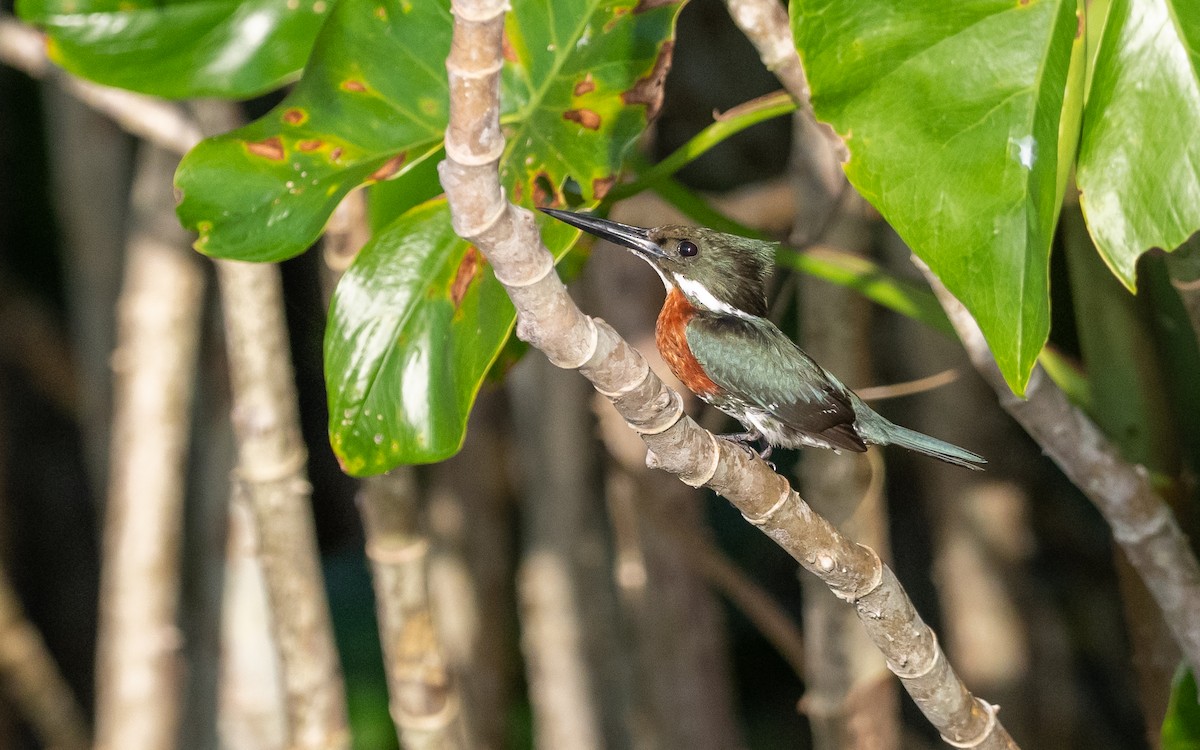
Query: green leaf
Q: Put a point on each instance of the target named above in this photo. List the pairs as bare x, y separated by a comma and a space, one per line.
180, 48
415, 324
1139, 158
264, 192
578, 81
1181, 726
418, 318
952, 115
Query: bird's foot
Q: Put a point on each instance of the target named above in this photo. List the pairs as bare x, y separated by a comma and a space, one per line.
748, 439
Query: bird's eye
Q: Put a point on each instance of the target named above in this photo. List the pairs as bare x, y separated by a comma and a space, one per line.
688, 249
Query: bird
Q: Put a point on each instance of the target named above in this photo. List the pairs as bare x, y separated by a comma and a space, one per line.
714, 334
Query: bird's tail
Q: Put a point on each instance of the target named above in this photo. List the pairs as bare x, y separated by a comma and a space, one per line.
894, 434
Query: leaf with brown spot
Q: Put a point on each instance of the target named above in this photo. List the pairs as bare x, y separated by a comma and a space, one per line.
310, 145
270, 148
585, 117
294, 116
390, 167
352, 85
467, 268
586, 86
601, 186
649, 90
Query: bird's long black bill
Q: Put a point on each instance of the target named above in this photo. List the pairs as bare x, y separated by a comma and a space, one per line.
634, 238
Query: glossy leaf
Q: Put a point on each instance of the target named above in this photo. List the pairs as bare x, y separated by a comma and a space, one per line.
180, 48
1181, 726
952, 115
414, 326
418, 318
264, 192
579, 79
1139, 157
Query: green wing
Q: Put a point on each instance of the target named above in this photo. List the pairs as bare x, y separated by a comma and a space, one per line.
755, 363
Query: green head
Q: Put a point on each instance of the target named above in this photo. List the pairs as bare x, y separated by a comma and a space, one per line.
716, 271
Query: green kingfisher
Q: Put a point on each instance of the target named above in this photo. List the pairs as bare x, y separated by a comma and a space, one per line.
714, 334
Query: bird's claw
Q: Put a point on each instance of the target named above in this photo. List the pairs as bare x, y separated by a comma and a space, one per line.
747, 440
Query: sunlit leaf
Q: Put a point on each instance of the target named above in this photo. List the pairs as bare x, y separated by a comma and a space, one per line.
180, 48
952, 113
414, 326
1139, 157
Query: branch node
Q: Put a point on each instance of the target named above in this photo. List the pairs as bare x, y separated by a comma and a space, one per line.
473, 73
470, 232
468, 157
666, 418
478, 12
630, 385
1127, 534
875, 582
586, 354
289, 466
532, 273
783, 499
710, 471
937, 657
988, 727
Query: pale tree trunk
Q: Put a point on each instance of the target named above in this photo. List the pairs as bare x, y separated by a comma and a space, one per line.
138, 673
576, 664
271, 476
850, 698
471, 518
423, 696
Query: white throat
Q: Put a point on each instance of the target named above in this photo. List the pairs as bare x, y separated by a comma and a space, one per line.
701, 297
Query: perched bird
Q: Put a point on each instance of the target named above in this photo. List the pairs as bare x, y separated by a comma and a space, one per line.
714, 335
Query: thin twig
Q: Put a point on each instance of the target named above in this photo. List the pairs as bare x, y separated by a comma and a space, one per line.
908, 387
548, 319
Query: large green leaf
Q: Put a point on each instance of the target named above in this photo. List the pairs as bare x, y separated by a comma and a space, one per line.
371, 104
414, 326
418, 318
180, 48
1139, 156
578, 81
952, 114
1181, 726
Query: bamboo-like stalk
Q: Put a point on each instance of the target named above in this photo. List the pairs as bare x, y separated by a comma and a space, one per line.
548, 319
137, 673
271, 475
424, 700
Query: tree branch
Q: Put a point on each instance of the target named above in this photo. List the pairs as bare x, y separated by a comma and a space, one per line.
548, 319
1141, 521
